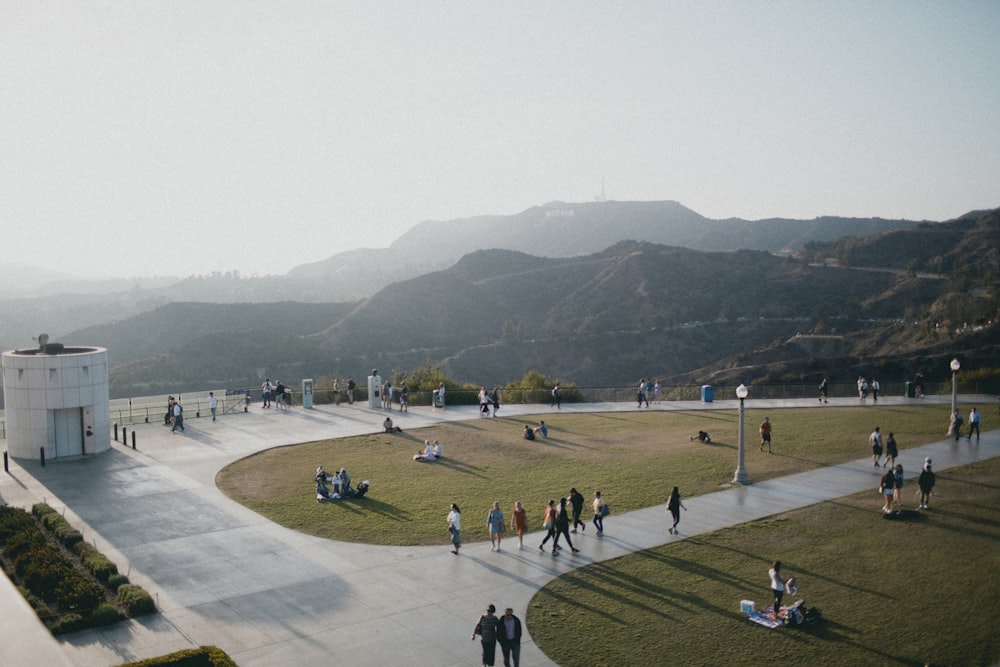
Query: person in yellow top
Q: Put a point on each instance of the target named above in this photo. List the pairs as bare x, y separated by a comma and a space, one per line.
765, 434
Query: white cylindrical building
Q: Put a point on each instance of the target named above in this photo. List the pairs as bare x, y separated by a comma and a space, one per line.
56, 400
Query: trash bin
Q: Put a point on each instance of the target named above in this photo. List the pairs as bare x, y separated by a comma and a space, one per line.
707, 393
438, 403
910, 389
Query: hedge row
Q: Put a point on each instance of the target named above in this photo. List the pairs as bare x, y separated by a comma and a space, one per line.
66, 597
203, 656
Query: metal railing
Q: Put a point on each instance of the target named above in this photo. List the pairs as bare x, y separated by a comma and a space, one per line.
152, 409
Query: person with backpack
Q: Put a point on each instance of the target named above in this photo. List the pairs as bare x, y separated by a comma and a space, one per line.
351, 385
600, 511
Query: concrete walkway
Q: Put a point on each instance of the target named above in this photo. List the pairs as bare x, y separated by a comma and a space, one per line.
270, 596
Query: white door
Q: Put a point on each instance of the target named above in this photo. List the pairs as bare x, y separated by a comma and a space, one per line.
68, 426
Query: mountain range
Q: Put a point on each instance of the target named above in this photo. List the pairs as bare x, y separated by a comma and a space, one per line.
591, 294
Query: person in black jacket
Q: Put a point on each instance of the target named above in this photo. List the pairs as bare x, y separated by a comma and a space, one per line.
509, 637
576, 501
562, 527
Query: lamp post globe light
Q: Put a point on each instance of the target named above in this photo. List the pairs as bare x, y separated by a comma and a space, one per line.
741, 472
954, 383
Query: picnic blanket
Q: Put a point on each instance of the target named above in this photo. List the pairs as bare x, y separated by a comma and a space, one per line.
762, 618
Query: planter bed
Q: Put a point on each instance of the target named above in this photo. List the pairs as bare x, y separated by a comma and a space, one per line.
69, 583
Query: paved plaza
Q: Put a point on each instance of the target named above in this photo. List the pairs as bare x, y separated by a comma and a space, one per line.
270, 597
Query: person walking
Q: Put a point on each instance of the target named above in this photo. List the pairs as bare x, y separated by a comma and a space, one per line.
600, 510
765, 434
455, 527
974, 423
556, 397
496, 524
875, 441
549, 524
891, 451
562, 527
576, 503
777, 585
887, 487
495, 399
926, 484
824, 390
487, 628
519, 522
178, 416
510, 638
674, 506
641, 395
213, 403
955, 426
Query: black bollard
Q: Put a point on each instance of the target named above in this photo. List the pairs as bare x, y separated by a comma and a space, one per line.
5, 466
116, 431
124, 436
42, 452
133, 438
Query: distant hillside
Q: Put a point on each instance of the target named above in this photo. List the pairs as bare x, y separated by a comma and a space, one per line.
634, 309
554, 230
560, 229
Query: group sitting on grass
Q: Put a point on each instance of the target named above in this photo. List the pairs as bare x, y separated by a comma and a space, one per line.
430, 452
541, 429
341, 482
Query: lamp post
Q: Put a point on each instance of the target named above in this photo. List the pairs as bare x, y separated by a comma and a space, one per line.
954, 384
741, 472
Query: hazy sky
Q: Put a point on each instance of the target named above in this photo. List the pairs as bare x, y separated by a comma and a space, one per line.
183, 136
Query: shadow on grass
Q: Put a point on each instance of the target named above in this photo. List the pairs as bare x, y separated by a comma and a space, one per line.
368, 505
458, 466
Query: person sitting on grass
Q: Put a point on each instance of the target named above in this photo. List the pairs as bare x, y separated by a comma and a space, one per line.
322, 493
542, 429
389, 428
529, 433
702, 437
438, 450
427, 454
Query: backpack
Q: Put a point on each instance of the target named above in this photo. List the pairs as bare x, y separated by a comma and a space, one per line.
605, 510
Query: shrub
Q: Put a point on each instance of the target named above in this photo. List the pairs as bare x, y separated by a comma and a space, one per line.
135, 600
116, 580
69, 536
105, 614
203, 656
67, 623
76, 593
95, 561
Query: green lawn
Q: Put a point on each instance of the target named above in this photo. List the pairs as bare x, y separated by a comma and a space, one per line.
634, 458
892, 592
